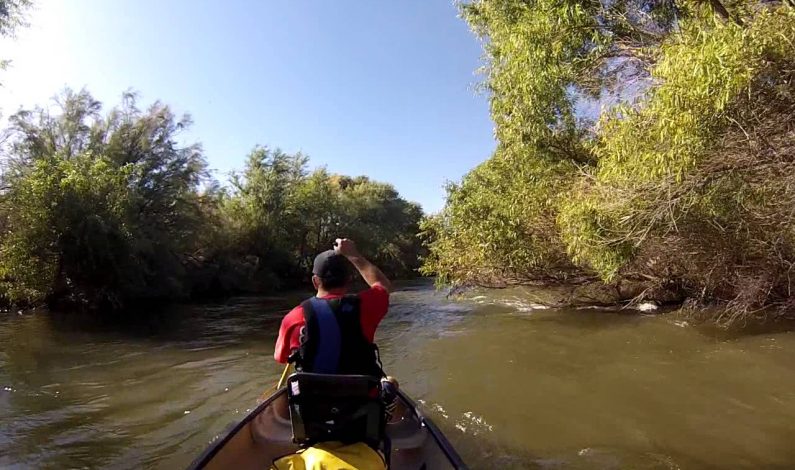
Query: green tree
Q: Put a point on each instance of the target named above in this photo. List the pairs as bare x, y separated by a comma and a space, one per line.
692, 188
382, 222
680, 183
316, 202
261, 214
104, 210
97, 209
281, 216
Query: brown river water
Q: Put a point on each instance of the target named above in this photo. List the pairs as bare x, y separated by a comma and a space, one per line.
513, 386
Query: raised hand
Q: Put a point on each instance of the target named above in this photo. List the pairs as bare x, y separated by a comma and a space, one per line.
346, 248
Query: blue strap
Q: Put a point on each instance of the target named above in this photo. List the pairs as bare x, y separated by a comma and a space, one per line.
329, 338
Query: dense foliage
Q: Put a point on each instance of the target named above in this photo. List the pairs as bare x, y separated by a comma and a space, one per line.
681, 182
276, 216
107, 209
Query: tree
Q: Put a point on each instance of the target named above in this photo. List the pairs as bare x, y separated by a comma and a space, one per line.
12, 17
688, 154
98, 210
261, 214
384, 224
282, 216
104, 210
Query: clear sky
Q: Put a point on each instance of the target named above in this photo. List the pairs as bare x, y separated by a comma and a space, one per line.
384, 89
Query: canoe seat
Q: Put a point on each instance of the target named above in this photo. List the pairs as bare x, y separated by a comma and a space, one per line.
266, 435
345, 408
273, 426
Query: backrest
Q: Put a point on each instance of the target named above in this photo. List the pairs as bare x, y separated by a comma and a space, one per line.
346, 408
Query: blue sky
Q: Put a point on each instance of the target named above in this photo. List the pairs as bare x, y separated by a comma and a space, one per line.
384, 89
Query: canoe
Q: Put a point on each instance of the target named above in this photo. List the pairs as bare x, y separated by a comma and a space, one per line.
265, 434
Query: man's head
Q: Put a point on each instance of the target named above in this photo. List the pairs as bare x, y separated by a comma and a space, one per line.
331, 271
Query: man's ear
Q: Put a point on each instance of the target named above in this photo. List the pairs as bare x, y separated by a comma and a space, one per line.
316, 282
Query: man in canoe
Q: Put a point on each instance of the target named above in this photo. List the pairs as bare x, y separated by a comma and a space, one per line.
345, 322
333, 333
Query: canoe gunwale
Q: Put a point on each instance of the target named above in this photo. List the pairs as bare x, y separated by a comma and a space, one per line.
438, 436
218, 444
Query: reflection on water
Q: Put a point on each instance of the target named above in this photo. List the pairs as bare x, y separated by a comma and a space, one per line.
512, 385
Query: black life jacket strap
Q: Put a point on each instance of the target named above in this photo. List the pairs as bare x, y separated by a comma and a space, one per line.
378, 360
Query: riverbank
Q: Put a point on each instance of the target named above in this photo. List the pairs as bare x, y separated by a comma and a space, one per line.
629, 299
210, 289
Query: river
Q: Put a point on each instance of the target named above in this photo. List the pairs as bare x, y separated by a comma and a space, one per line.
513, 386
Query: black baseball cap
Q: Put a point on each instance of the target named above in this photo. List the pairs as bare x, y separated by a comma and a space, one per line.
331, 266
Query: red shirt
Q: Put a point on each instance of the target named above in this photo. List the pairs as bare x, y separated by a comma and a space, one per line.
373, 305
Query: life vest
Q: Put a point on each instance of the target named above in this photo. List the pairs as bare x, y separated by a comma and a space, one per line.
332, 341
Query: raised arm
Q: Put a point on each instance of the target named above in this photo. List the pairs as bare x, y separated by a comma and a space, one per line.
370, 272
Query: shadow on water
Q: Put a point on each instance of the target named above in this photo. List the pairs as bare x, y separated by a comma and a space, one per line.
589, 319
746, 330
177, 322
